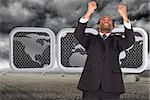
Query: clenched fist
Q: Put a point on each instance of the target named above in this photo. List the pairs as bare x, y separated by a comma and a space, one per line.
91, 8
122, 9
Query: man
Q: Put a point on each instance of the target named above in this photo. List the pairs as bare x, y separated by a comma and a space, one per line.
101, 78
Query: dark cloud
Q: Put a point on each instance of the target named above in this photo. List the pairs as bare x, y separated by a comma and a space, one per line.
58, 14
38, 13
141, 12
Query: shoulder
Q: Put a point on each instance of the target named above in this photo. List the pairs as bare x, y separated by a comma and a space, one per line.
116, 35
90, 34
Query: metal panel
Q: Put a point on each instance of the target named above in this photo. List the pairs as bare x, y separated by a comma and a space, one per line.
72, 56
32, 49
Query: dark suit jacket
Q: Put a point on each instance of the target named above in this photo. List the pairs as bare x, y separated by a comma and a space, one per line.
102, 64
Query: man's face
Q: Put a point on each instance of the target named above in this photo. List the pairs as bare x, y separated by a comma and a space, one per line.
106, 24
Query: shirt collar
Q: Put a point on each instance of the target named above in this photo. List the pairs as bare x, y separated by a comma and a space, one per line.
105, 34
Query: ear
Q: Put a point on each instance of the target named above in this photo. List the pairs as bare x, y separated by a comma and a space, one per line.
98, 22
113, 26
95, 26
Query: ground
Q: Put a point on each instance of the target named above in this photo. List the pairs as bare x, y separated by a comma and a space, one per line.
59, 87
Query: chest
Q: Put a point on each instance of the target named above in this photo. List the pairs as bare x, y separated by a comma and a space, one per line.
97, 45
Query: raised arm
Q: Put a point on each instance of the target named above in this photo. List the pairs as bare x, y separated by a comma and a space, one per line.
79, 33
124, 43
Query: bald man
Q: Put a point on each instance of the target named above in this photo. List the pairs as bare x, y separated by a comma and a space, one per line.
101, 78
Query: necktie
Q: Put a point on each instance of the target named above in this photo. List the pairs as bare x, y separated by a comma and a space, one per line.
104, 37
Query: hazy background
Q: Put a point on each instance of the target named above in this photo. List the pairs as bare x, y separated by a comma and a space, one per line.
58, 14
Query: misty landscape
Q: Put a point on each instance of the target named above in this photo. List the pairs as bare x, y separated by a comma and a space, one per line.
56, 15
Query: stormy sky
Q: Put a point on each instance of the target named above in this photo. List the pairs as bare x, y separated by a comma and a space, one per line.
58, 14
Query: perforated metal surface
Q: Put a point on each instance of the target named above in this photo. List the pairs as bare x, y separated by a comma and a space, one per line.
132, 59
31, 50
134, 56
68, 43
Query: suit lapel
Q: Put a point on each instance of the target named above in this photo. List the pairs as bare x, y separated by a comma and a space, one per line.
103, 44
100, 39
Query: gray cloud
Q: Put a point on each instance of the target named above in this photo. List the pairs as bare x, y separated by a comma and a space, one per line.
57, 14
38, 13
4, 47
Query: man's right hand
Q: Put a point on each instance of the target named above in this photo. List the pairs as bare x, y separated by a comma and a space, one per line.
91, 8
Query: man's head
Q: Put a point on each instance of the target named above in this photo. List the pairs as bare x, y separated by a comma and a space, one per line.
106, 24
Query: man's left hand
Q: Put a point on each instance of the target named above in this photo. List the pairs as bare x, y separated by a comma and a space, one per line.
122, 9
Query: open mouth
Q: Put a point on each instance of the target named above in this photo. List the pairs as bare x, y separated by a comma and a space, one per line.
106, 25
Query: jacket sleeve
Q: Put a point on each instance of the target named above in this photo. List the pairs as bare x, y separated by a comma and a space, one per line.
82, 37
124, 43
